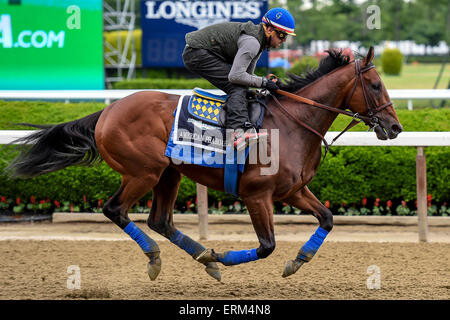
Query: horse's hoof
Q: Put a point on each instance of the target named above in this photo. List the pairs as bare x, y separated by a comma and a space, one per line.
213, 270
153, 268
291, 267
206, 256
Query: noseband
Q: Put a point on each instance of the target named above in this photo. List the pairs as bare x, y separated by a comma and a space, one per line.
372, 109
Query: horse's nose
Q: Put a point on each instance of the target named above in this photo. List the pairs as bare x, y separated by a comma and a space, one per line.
397, 128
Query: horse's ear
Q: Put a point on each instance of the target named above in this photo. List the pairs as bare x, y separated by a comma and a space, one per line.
369, 56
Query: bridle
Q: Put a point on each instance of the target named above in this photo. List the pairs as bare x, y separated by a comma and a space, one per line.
372, 109
369, 119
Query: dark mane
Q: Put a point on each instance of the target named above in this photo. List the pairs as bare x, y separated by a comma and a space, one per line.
334, 60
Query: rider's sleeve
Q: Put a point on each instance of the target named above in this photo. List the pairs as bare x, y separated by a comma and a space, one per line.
245, 61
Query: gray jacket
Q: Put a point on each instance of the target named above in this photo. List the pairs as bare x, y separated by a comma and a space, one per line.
243, 67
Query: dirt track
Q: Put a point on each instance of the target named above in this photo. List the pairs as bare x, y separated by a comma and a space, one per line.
37, 269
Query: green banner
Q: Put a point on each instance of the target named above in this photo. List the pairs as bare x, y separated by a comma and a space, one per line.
51, 44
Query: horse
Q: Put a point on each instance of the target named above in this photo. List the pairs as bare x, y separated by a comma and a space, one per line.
131, 135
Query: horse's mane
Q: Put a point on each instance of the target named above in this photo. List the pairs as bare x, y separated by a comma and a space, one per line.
334, 60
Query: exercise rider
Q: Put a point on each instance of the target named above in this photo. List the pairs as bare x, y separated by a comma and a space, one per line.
226, 54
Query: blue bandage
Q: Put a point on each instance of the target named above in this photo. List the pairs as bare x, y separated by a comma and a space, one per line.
236, 257
310, 248
187, 244
145, 242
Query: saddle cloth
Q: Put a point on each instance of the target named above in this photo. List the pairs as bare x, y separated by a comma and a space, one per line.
206, 106
198, 137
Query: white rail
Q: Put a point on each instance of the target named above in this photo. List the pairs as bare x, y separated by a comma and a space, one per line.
109, 95
409, 139
404, 139
415, 139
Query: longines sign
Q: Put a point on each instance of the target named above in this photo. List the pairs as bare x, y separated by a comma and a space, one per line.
165, 23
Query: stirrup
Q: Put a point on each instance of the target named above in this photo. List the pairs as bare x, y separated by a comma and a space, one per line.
239, 141
255, 135
242, 140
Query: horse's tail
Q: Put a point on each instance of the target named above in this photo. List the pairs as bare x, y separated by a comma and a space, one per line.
55, 147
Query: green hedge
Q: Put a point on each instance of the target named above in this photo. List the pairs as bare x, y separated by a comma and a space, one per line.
304, 64
348, 175
43, 112
157, 79
98, 182
163, 84
425, 59
388, 173
392, 60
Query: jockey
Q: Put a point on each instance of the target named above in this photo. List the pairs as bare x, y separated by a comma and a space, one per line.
226, 54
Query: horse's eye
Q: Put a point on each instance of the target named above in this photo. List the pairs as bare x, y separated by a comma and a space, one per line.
376, 86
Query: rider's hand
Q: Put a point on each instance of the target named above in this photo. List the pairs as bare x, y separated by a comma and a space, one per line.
274, 78
270, 85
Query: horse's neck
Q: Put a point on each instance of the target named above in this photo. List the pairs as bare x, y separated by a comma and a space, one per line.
328, 91
304, 145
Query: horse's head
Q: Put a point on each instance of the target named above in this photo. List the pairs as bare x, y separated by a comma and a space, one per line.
368, 97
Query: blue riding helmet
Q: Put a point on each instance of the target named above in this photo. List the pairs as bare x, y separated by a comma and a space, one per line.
280, 19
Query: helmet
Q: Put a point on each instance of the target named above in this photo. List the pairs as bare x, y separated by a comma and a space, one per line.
280, 19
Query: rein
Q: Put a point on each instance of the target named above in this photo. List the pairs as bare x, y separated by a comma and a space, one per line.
370, 119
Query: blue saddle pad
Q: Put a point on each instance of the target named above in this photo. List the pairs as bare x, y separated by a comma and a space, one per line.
194, 140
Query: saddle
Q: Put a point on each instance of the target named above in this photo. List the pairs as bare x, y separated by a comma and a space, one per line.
211, 108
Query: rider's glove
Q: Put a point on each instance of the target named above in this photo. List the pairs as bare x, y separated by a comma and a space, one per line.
269, 85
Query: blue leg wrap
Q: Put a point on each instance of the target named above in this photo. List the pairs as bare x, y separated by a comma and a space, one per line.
310, 248
236, 257
187, 244
145, 242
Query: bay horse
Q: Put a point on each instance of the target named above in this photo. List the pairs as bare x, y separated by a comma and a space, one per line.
131, 135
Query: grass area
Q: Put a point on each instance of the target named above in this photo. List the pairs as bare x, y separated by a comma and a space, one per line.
43, 112
418, 76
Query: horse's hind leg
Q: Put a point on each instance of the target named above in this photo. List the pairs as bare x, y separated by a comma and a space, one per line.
161, 218
305, 200
116, 209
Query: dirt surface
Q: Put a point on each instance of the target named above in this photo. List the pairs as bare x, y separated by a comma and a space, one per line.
35, 259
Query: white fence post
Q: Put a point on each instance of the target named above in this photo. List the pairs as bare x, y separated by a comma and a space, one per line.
410, 104
202, 211
421, 180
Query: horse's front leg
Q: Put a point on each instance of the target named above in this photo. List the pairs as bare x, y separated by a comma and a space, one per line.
305, 200
261, 213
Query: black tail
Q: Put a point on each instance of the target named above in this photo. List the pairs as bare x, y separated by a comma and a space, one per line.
55, 147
